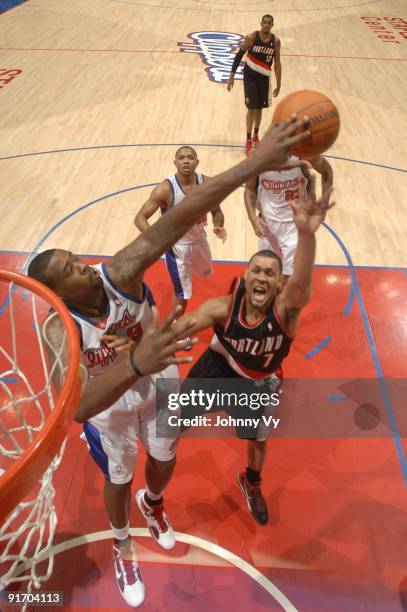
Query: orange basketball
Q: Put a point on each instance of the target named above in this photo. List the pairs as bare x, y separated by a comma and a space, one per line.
323, 116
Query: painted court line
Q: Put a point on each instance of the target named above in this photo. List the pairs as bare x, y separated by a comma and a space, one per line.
318, 348
176, 51
211, 8
376, 361
232, 262
185, 538
179, 144
355, 288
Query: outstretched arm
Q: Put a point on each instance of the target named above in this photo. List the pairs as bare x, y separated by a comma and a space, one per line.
214, 310
308, 215
159, 198
128, 265
154, 352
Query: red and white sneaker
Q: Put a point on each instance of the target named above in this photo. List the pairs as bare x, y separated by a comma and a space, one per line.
128, 577
249, 146
255, 140
157, 521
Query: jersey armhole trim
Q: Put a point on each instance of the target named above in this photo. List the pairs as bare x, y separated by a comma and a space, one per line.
172, 195
122, 292
234, 287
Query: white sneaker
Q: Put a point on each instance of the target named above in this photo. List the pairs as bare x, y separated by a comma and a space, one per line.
157, 521
128, 578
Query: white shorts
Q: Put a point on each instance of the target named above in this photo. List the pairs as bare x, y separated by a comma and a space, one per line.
281, 238
112, 435
187, 260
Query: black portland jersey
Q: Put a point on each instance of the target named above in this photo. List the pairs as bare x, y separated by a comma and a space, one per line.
260, 56
253, 351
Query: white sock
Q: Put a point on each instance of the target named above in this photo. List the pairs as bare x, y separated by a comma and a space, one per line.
153, 496
122, 533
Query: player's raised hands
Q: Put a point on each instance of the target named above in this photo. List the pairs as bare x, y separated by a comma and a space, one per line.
157, 347
309, 212
277, 144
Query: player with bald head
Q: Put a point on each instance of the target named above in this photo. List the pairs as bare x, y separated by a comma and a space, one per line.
191, 255
118, 403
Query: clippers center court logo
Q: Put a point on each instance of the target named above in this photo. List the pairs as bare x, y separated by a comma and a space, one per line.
217, 51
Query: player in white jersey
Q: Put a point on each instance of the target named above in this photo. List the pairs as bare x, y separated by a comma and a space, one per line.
191, 255
116, 401
272, 194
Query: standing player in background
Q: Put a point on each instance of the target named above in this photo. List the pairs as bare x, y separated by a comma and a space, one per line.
262, 49
254, 327
117, 405
272, 193
191, 255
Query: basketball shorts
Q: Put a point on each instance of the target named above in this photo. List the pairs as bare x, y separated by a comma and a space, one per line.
187, 260
281, 238
256, 91
113, 434
211, 365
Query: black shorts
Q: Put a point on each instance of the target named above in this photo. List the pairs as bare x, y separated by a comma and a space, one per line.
256, 91
212, 366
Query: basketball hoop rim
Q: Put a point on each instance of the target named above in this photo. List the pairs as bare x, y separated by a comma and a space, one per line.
16, 482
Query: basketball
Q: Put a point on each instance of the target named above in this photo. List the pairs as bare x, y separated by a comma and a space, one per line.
323, 115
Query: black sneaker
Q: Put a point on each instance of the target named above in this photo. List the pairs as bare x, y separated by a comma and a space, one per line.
255, 500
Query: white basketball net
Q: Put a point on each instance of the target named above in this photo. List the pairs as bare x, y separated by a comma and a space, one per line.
26, 399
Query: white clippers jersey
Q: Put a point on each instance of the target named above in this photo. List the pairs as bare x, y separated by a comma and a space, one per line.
125, 316
178, 194
276, 190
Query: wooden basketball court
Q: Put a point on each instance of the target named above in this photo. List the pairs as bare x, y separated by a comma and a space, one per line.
95, 98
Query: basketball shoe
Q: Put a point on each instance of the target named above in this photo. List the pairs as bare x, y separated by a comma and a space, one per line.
128, 577
255, 140
255, 500
249, 146
157, 521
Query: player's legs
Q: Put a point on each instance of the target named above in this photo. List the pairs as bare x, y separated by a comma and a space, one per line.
115, 453
256, 455
158, 474
160, 445
179, 268
262, 101
117, 498
288, 240
270, 242
257, 121
249, 121
250, 479
200, 258
281, 238
250, 95
257, 118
